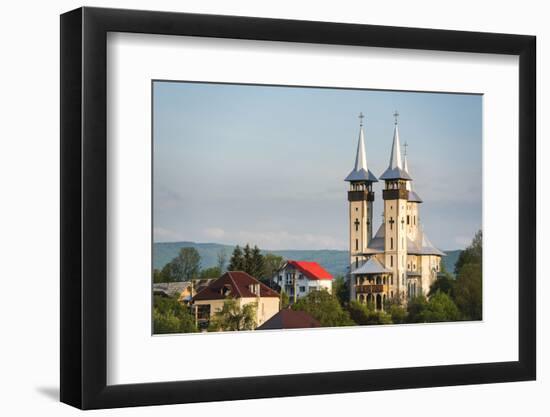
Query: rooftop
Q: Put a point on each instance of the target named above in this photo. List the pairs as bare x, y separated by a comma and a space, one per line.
234, 284
311, 270
290, 319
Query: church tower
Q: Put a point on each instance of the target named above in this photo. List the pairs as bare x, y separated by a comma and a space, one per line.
396, 197
360, 198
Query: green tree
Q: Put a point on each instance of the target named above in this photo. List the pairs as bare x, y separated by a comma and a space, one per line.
415, 309
285, 300
247, 258
366, 314
256, 267
443, 284
158, 276
324, 307
468, 291
234, 318
398, 314
272, 263
212, 272
473, 254
236, 263
340, 289
184, 267
440, 308
170, 316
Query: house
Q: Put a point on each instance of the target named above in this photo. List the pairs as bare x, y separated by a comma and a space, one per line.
399, 262
299, 278
290, 319
239, 286
170, 289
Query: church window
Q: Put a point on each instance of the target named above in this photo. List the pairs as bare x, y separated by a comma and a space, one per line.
408, 219
391, 260
357, 262
384, 280
391, 242
356, 244
391, 281
356, 225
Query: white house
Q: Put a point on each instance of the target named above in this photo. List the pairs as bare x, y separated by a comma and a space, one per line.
299, 278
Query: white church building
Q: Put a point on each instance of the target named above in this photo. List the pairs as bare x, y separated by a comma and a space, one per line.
398, 262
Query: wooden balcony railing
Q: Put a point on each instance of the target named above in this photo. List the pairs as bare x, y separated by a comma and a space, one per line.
369, 289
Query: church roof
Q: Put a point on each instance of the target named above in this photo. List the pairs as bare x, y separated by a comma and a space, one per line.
372, 266
422, 245
377, 242
360, 171
395, 168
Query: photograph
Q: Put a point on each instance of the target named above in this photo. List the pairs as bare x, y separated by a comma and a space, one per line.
296, 207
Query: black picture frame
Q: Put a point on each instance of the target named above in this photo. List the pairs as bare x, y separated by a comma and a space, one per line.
84, 207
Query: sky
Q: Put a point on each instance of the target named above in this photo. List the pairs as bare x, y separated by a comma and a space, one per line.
265, 165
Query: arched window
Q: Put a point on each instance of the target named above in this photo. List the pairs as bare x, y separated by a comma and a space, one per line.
391, 260
391, 242
356, 244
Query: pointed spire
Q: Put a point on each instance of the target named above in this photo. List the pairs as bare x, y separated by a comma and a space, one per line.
395, 168
360, 171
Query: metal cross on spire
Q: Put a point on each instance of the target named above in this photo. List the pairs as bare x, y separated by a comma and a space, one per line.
395, 115
405, 146
361, 117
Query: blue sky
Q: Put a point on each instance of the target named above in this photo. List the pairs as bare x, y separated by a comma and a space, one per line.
266, 165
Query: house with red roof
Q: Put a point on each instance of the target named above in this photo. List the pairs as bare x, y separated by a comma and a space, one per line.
241, 287
299, 278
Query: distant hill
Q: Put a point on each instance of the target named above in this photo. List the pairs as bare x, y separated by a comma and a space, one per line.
334, 261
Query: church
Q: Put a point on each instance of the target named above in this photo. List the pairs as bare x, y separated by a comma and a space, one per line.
399, 262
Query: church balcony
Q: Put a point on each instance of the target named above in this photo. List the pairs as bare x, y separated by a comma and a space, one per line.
361, 195
369, 289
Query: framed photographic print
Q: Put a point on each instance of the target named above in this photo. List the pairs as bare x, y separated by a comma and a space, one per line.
314, 207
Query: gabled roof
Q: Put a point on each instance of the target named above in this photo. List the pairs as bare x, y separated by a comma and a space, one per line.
312, 270
372, 266
377, 242
422, 245
234, 284
360, 171
290, 319
395, 168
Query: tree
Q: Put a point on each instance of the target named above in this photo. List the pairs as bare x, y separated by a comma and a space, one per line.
272, 263
285, 300
468, 291
473, 254
247, 258
236, 263
468, 285
221, 260
233, 318
256, 267
170, 316
415, 309
212, 272
340, 288
366, 314
443, 284
324, 307
158, 276
184, 267
440, 308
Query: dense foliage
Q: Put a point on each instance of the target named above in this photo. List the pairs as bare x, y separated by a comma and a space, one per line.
251, 261
170, 316
324, 307
233, 318
184, 267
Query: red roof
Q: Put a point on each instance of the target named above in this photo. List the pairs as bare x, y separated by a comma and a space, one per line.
312, 270
234, 284
290, 319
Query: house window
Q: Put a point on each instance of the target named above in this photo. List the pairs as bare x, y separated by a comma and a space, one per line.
302, 289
